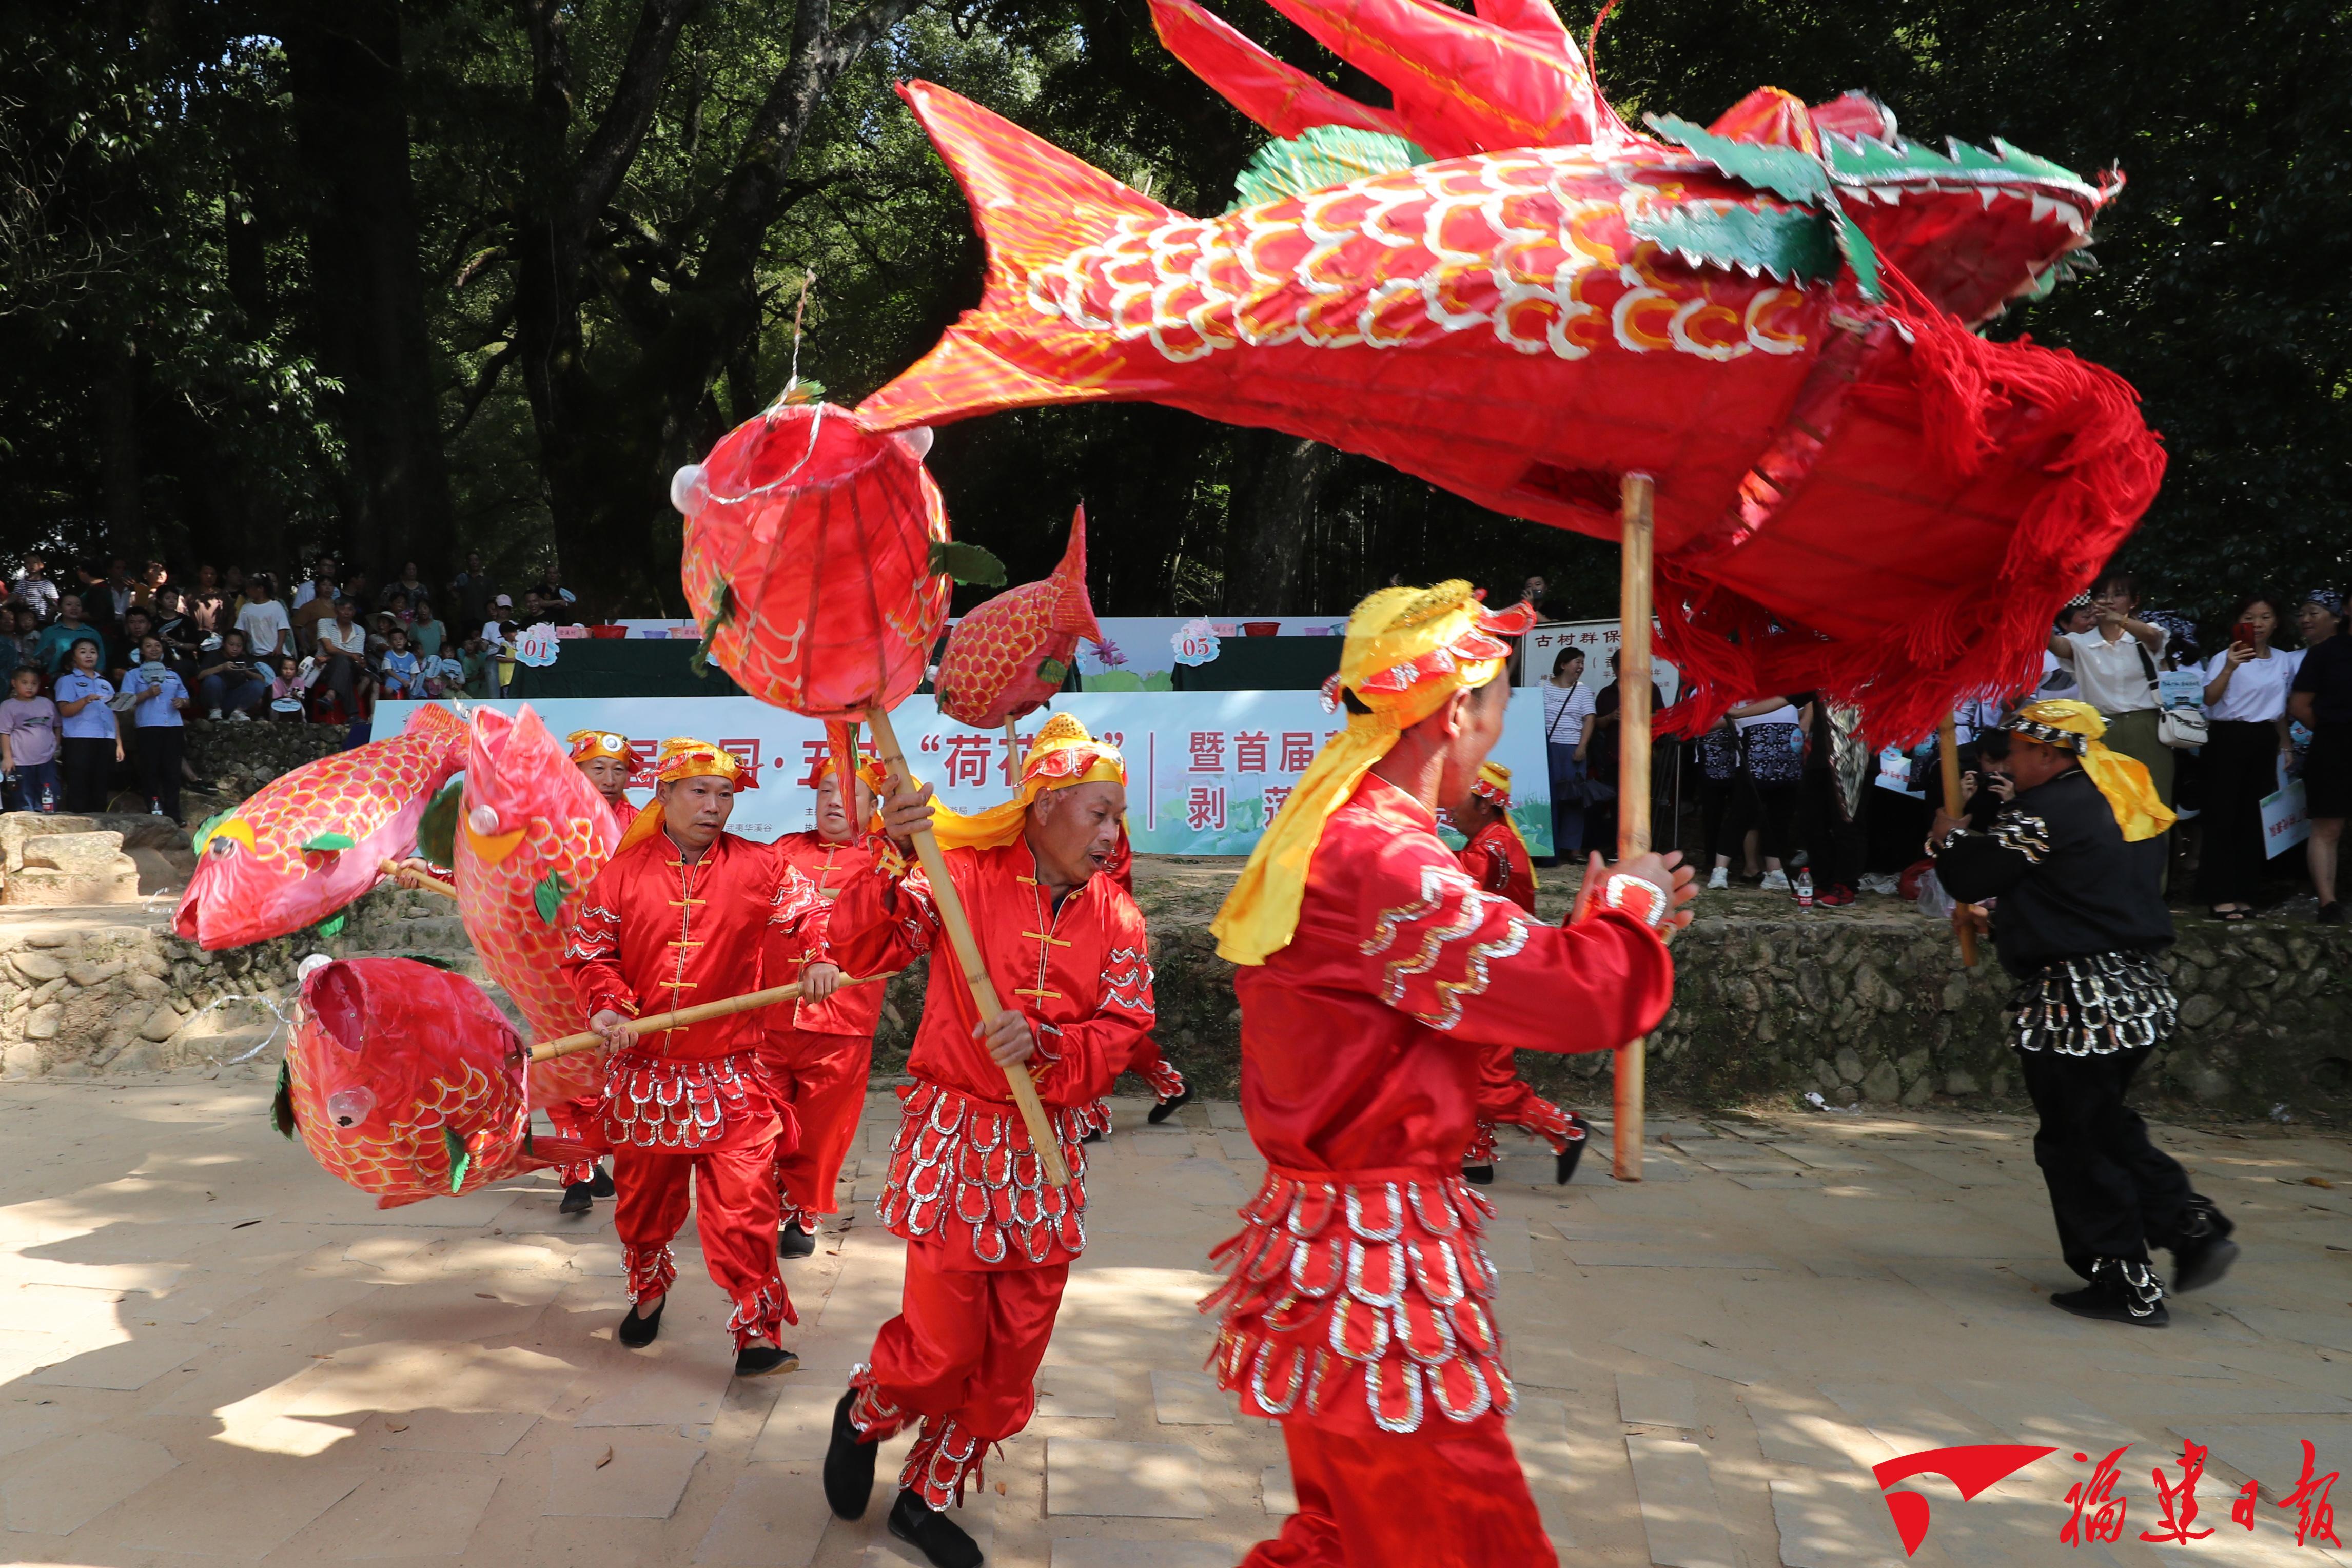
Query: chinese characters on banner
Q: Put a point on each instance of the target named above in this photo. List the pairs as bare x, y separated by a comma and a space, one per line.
1206, 770
1598, 639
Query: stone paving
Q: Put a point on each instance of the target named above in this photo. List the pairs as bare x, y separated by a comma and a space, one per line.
214, 1354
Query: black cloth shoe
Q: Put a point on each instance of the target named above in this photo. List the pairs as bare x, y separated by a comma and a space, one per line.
848, 1464
2204, 1252
1168, 1107
576, 1198
795, 1242
1094, 1137
760, 1360
2330, 914
1564, 1162
940, 1538
1478, 1176
638, 1332
2119, 1292
600, 1186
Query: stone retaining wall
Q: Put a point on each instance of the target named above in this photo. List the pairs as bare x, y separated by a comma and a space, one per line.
1861, 1009
234, 759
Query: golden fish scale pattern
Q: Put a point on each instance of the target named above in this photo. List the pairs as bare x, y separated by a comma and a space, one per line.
1531, 246
413, 1160
350, 792
523, 954
985, 656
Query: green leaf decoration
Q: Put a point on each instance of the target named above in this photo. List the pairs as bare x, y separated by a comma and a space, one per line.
432, 959
436, 832
459, 1161
329, 843
1786, 243
327, 928
700, 662
281, 1104
204, 829
1053, 671
1326, 157
1860, 255
1784, 171
967, 563
549, 896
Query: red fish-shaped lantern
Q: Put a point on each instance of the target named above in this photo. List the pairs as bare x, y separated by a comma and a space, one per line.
1501, 287
532, 833
1009, 656
814, 557
407, 1082
314, 839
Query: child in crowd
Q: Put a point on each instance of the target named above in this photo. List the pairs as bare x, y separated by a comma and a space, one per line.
400, 668
29, 743
92, 745
159, 718
289, 691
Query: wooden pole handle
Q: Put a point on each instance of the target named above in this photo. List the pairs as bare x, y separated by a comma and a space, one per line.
967, 953
1636, 496
392, 869
678, 1018
1947, 752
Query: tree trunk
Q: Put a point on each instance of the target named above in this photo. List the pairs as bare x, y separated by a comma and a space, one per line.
367, 287
116, 385
1266, 560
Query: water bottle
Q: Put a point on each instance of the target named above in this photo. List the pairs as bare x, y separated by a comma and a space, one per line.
1804, 887
48, 797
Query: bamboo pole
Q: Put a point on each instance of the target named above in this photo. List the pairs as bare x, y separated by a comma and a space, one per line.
967, 952
680, 1017
1012, 751
393, 869
1633, 600
1947, 752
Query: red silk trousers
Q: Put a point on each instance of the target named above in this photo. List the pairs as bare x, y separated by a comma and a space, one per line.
963, 1353
1450, 1495
823, 1079
734, 1196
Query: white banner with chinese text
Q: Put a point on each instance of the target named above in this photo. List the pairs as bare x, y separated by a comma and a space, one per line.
1205, 769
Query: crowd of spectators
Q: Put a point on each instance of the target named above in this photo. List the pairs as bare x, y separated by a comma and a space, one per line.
1786, 793
111, 664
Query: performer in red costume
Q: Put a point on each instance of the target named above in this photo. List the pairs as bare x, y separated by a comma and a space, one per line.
989, 1245
680, 915
1497, 860
1169, 1092
604, 758
817, 1054
1374, 975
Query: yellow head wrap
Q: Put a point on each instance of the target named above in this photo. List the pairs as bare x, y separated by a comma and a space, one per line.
681, 758
1062, 754
2076, 727
1407, 650
589, 745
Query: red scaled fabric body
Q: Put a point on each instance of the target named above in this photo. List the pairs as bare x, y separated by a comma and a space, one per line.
655, 932
818, 1053
1359, 1300
1531, 300
808, 559
1009, 656
965, 1188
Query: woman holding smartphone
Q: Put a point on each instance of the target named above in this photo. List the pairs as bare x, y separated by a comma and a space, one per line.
2246, 742
231, 680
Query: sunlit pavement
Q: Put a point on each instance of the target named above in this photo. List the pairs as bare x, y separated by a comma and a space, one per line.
213, 1353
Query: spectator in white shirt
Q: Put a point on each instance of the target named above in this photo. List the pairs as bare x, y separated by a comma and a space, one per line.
35, 588
1567, 703
263, 619
2246, 742
2116, 661
342, 645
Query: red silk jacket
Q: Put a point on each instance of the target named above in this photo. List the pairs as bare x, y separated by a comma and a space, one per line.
828, 868
1359, 1293
1497, 861
655, 934
963, 1168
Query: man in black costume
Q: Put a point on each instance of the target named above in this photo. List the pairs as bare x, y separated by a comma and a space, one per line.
2075, 861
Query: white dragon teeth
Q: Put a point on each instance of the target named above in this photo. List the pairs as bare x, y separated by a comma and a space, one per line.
1986, 194
2040, 208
